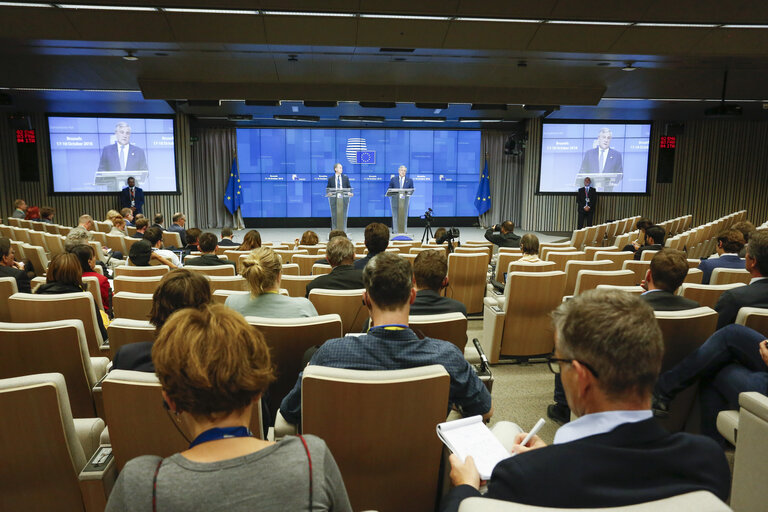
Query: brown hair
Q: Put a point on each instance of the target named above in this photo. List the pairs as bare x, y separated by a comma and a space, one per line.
668, 269
125, 212
118, 222
309, 238
251, 240
46, 212
336, 232
193, 236
439, 232
429, 269
388, 279
615, 333
339, 250
141, 223
207, 242
111, 214
65, 268
529, 244
261, 269
508, 226
178, 289
210, 362
732, 239
757, 248
376, 237
745, 227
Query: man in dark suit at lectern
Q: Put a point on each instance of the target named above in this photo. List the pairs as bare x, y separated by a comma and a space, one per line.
401, 181
586, 198
132, 197
339, 179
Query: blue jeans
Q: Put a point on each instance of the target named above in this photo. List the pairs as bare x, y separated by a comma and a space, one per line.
727, 364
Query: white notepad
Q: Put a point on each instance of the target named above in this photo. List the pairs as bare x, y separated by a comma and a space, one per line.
470, 436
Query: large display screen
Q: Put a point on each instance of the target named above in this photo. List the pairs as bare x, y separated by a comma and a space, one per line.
98, 154
613, 155
284, 171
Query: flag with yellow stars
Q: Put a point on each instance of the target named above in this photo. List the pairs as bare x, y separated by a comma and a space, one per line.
483, 196
233, 196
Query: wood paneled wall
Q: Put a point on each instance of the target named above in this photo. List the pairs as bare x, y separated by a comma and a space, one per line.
70, 207
720, 167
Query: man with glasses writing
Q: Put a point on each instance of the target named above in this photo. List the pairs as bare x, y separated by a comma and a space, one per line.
608, 351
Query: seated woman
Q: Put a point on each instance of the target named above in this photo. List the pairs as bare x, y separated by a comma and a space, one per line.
65, 275
87, 257
46, 214
251, 241
111, 214
529, 243
178, 289
118, 226
262, 270
33, 213
212, 367
309, 237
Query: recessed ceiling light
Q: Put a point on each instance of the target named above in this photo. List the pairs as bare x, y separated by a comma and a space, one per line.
130, 56
629, 67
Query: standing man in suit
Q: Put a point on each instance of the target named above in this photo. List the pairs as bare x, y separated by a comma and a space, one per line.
122, 155
614, 454
400, 181
586, 198
603, 159
666, 273
339, 179
729, 245
756, 293
132, 197
343, 276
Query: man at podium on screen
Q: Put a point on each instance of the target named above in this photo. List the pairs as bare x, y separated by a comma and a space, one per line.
338, 179
603, 160
401, 181
122, 155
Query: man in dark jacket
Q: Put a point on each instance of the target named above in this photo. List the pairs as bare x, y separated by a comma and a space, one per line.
506, 236
9, 267
665, 275
654, 241
430, 274
344, 276
207, 243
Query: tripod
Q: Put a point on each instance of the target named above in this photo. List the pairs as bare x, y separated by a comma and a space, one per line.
427, 231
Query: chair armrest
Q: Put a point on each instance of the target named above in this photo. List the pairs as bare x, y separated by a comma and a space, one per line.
98, 397
99, 365
283, 428
728, 425
97, 479
756, 403
88, 431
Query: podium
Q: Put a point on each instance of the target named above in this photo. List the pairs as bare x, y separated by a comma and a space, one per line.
115, 180
338, 200
400, 199
601, 182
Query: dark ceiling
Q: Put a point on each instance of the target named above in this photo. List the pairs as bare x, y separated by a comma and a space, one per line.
352, 51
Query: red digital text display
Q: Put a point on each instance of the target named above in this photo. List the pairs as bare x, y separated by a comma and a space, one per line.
25, 137
667, 143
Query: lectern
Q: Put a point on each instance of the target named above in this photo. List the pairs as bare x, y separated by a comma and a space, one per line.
338, 200
602, 182
400, 199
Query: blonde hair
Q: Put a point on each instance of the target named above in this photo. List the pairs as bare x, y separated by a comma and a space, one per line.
261, 268
111, 214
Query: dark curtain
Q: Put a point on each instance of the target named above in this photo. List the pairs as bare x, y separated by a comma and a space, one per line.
506, 175
212, 156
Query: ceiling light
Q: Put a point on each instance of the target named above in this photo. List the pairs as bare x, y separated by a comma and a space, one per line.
406, 17
502, 20
410, 119
130, 57
575, 22
208, 11
367, 119
677, 25
307, 13
744, 26
480, 120
306, 119
629, 67
106, 7
20, 4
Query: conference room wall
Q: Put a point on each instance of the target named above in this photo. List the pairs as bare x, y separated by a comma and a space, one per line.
70, 207
721, 166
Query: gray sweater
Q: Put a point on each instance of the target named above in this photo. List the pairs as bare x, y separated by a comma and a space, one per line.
275, 478
271, 305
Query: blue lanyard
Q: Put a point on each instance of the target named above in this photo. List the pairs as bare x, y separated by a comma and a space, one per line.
214, 434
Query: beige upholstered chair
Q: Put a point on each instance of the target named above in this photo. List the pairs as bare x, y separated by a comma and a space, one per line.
132, 271
235, 256
227, 283
639, 290
590, 279
123, 331
305, 262
730, 275
296, 285
592, 251
100, 237
383, 469
36, 256
287, 254
115, 242
29, 308
38, 238
503, 261
348, 304
290, 269
7, 288
683, 332
697, 501
47, 347
560, 258
474, 249
320, 269
220, 296
694, 275
467, 279
445, 326
648, 255
172, 239
572, 268
213, 270
311, 249
288, 339
136, 284
754, 318
705, 294
135, 306
93, 287
545, 249
55, 244
640, 268
521, 325
578, 238
44, 451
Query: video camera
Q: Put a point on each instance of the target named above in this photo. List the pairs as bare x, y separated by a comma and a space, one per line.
428, 215
450, 234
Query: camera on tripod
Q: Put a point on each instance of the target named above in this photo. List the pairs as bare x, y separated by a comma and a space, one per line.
449, 236
428, 215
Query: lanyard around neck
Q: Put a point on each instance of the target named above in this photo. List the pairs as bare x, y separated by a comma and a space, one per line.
214, 434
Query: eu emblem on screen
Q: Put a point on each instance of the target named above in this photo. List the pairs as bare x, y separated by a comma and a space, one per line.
366, 157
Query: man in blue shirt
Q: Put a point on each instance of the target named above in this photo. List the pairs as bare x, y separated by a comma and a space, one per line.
391, 345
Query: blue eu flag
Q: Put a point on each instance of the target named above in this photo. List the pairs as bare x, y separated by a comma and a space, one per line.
365, 157
483, 197
233, 196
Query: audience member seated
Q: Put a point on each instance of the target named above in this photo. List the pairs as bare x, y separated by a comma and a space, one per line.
178, 289
207, 243
746, 229
430, 275
141, 227
733, 360
756, 293
193, 236
65, 275
33, 213
343, 276
154, 236
729, 244
262, 269
376, 241
307, 238
87, 258
506, 236
642, 224
390, 345
666, 273
46, 214
111, 215
9, 267
608, 350
654, 241
226, 238
251, 241
20, 209
157, 221
529, 244
80, 236
212, 367
118, 226
333, 234
127, 215
85, 221
179, 220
